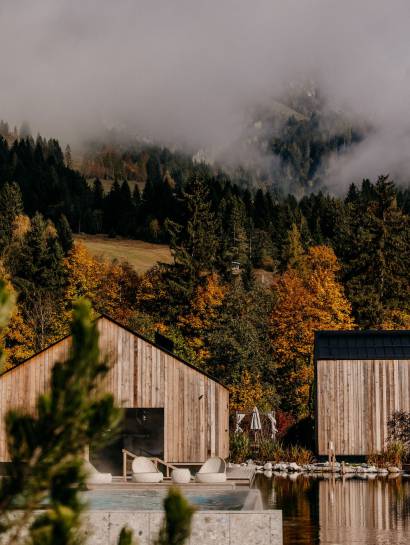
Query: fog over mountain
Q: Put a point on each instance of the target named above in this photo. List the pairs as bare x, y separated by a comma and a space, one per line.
188, 72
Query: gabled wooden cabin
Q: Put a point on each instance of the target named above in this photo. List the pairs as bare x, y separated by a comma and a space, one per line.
362, 378
173, 410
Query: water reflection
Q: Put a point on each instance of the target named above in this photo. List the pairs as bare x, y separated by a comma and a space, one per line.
340, 511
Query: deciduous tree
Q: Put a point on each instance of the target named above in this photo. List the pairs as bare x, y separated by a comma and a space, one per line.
308, 298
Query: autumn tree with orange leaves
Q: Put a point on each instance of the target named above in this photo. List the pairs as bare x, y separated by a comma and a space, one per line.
309, 297
110, 285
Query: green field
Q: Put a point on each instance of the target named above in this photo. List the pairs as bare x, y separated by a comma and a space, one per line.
141, 255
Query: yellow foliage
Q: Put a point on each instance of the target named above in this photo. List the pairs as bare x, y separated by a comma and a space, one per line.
250, 392
309, 298
100, 280
150, 286
83, 273
396, 319
208, 297
21, 226
17, 338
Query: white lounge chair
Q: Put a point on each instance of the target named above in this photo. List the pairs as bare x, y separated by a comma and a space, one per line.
213, 471
145, 471
94, 476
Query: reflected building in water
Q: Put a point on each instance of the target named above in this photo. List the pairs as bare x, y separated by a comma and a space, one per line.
369, 511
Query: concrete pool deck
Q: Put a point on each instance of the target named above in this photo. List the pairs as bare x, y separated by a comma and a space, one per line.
208, 527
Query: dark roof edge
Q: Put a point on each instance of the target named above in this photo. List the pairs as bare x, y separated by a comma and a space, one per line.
364, 332
139, 335
359, 333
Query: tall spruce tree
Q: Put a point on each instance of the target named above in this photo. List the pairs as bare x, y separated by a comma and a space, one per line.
65, 234
375, 248
40, 261
194, 245
11, 206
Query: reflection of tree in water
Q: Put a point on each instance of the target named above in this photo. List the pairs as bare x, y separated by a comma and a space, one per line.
399, 491
353, 508
298, 499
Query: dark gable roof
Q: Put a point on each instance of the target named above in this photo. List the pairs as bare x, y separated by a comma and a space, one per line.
102, 315
362, 345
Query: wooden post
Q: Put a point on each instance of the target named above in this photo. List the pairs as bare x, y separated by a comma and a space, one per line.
124, 465
331, 455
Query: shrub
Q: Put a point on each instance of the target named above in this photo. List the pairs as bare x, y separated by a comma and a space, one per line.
283, 422
300, 455
399, 428
274, 451
240, 447
393, 455
270, 450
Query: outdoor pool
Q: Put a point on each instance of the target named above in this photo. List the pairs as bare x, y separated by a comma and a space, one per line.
223, 517
340, 511
151, 500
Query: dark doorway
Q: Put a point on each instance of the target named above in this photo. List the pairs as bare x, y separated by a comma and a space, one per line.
142, 433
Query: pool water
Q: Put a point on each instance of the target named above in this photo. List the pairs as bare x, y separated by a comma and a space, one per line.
336, 511
151, 500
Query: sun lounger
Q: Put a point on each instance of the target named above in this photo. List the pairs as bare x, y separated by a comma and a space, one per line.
213, 471
145, 471
95, 477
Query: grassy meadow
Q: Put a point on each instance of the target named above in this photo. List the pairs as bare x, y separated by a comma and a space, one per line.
141, 255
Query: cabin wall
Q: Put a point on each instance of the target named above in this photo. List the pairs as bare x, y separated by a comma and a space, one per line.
196, 409
354, 401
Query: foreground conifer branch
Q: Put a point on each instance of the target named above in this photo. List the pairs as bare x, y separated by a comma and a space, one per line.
47, 450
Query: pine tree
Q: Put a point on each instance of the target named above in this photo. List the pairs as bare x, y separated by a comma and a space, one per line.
11, 206
126, 222
194, 245
261, 218
374, 244
65, 234
238, 341
68, 157
97, 194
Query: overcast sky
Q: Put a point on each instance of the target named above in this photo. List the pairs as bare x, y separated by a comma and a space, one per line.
185, 71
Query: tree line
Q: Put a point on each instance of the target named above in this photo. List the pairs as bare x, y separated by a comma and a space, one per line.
328, 262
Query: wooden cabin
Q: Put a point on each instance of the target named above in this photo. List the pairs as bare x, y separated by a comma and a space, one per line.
172, 410
361, 378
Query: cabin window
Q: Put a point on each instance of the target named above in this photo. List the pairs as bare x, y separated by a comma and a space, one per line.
142, 433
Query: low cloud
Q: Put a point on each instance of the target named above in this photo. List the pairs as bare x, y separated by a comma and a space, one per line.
187, 72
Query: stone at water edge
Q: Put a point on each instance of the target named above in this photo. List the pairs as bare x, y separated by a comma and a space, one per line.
268, 466
281, 466
393, 469
293, 466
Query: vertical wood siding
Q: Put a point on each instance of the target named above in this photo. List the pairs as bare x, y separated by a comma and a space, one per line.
196, 408
354, 401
